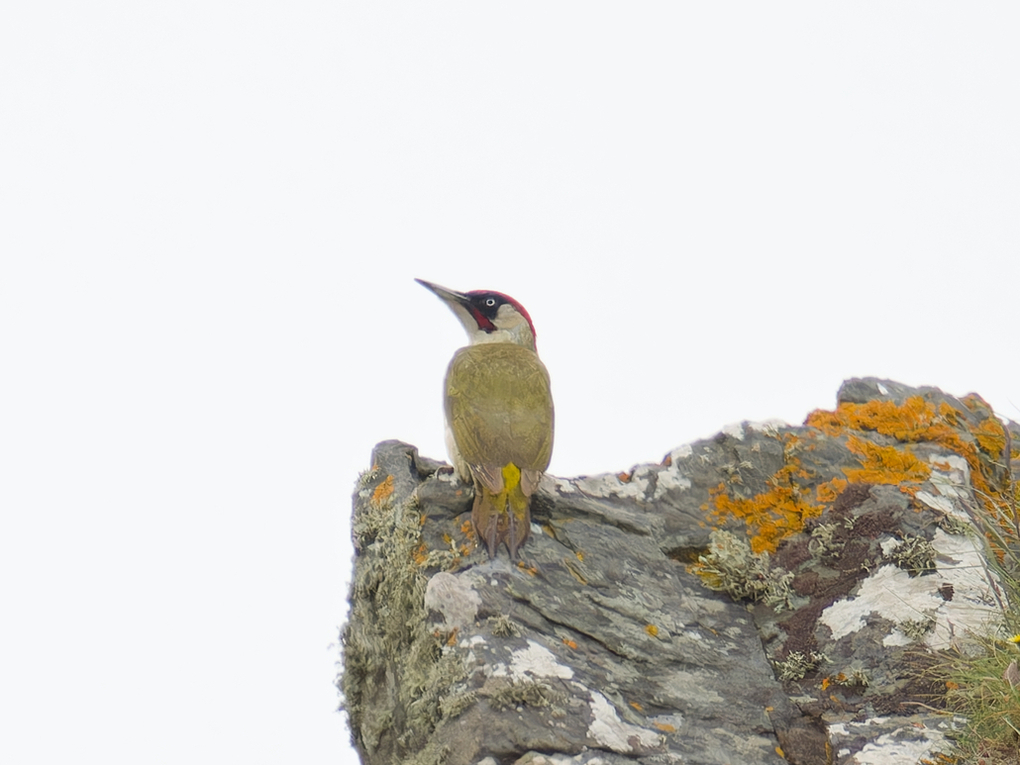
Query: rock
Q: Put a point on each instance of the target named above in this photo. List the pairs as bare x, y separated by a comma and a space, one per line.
768, 595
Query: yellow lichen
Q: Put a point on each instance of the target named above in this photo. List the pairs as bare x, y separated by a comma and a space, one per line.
652, 630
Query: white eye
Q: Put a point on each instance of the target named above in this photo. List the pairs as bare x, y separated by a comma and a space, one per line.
490, 302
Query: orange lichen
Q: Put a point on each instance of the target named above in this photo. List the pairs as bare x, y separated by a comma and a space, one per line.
580, 555
991, 437
652, 630
827, 492
420, 554
783, 509
772, 515
665, 727
570, 644
947, 411
911, 422
974, 402
624, 477
825, 683
886, 465
526, 568
917, 420
383, 491
637, 706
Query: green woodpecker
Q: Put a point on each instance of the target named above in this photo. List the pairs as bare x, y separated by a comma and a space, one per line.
499, 413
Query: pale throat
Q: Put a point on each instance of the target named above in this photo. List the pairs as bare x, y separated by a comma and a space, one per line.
518, 335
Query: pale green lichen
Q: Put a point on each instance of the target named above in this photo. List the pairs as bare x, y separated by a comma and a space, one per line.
824, 541
731, 567
852, 676
391, 658
955, 526
797, 664
916, 629
453, 705
366, 477
442, 559
530, 693
503, 626
915, 555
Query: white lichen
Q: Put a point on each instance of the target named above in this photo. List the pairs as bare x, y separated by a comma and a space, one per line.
893, 594
610, 485
771, 427
454, 598
608, 730
670, 480
734, 430
536, 661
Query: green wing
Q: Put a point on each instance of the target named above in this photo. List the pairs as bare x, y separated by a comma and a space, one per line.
500, 408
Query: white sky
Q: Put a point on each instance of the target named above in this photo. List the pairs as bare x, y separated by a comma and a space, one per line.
210, 217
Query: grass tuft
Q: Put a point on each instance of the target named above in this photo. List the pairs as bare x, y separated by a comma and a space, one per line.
982, 679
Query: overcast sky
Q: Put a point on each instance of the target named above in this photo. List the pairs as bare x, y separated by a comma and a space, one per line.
211, 214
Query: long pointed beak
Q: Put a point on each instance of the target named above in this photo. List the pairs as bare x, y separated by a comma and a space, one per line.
448, 296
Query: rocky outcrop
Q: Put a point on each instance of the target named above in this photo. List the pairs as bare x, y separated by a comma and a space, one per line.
770, 595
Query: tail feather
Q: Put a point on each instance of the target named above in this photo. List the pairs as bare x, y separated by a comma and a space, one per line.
503, 516
485, 518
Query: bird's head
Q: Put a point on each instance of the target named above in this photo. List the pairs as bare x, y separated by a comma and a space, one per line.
488, 317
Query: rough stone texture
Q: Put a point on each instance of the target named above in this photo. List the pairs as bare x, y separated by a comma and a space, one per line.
841, 553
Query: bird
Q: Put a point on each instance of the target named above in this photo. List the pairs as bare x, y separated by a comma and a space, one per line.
499, 413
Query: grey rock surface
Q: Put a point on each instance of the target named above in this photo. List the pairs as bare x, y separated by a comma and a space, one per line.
769, 595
